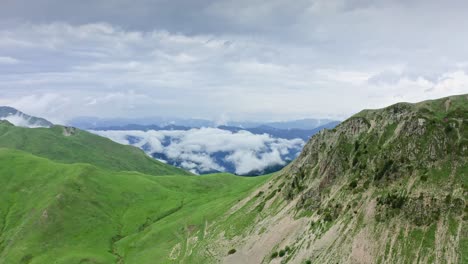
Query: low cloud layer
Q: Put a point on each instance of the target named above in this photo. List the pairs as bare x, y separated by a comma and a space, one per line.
20, 120
212, 149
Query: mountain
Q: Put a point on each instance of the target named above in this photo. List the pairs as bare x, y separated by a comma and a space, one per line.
303, 124
19, 118
384, 186
143, 127
71, 145
95, 123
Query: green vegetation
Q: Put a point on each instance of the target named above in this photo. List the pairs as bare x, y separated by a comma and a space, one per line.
395, 201
59, 213
353, 184
384, 169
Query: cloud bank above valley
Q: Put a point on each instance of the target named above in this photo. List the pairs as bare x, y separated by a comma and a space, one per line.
224, 60
203, 150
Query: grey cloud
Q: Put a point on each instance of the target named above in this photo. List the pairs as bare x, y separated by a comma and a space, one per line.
386, 77
8, 60
146, 14
239, 59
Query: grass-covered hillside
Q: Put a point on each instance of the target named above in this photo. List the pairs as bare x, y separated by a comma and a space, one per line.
71, 145
79, 213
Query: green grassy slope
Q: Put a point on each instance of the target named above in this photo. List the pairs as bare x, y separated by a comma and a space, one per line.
78, 213
69, 145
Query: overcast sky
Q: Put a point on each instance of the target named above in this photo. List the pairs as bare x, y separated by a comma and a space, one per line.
229, 60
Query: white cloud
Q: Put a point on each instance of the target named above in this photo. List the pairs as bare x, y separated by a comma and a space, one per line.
21, 120
405, 88
247, 161
49, 105
199, 149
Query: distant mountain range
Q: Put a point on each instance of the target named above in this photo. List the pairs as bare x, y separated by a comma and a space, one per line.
96, 123
19, 118
304, 124
288, 133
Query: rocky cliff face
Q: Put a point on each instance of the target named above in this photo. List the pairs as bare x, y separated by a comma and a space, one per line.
385, 186
380, 147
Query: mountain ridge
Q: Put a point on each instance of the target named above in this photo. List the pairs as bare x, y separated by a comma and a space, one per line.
385, 186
